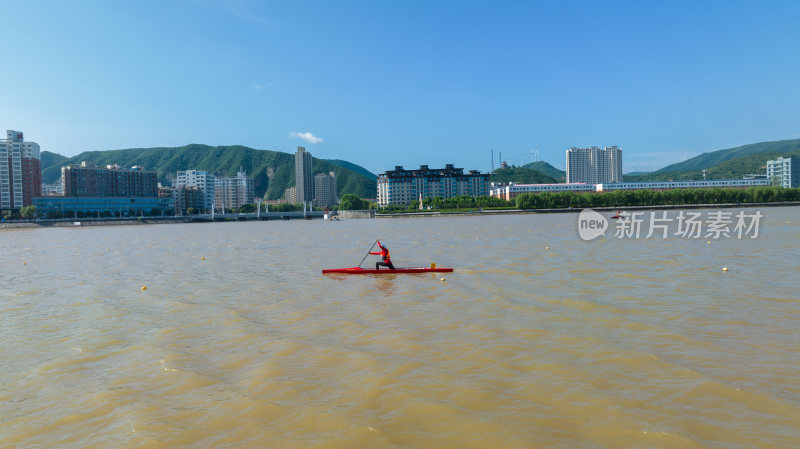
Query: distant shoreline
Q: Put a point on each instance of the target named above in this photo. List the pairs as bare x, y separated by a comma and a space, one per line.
71, 223
577, 210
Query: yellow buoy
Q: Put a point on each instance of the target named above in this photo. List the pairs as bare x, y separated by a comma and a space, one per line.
724, 268
442, 279
24, 263
202, 258
709, 242
144, 287
547, 247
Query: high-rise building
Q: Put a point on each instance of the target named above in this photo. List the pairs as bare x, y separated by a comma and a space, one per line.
304, 180
785, 171
234, 192
593, 165
400, 186
88, 180
614, 163
200, 179
325, 190
20, 171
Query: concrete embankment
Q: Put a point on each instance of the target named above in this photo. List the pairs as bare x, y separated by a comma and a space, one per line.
355, 214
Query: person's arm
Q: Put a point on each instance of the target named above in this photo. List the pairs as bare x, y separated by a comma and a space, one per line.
379, 246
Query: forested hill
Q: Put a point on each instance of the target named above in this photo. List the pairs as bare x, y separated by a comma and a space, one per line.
707, 160
520, 175
221, 161
547, 169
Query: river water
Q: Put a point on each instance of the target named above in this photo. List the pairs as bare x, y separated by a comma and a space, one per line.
537, 340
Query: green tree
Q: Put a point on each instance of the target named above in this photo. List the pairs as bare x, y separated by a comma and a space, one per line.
28, 212
247, 209
351, 201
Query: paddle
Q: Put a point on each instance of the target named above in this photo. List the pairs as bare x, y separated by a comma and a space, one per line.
365, 255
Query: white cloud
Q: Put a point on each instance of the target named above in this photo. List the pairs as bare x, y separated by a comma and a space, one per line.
257, 86
307, 136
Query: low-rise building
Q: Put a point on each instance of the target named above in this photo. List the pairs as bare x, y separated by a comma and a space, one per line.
62, 206
510, 191
290, 195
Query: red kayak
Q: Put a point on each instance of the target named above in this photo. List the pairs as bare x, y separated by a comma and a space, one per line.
407, 270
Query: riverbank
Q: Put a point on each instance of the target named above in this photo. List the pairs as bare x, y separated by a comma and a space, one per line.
350, 215
83, 222
575, 210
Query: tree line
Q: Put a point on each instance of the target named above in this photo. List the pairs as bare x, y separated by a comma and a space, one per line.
627, 198
542, 200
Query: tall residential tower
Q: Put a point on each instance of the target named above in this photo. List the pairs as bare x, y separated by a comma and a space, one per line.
303, 177
20, 171
594, 166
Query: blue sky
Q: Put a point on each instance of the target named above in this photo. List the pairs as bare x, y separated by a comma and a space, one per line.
382, 83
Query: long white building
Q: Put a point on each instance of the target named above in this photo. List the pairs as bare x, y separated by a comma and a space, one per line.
512, 190
593, 165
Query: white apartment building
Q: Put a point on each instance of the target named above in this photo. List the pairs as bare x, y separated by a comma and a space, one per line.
290, 195
786, 170
325, 193
594, 165
400, 186
201, 179
234, 192
20, 172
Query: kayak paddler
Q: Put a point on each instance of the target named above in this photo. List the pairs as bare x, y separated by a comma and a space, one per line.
386, 259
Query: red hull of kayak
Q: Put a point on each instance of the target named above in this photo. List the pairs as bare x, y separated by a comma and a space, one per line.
357, 270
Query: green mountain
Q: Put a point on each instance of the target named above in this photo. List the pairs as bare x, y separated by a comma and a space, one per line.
733, 163
520, 175
547, 169
48, 159
710, 159
730, 169
221, 161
